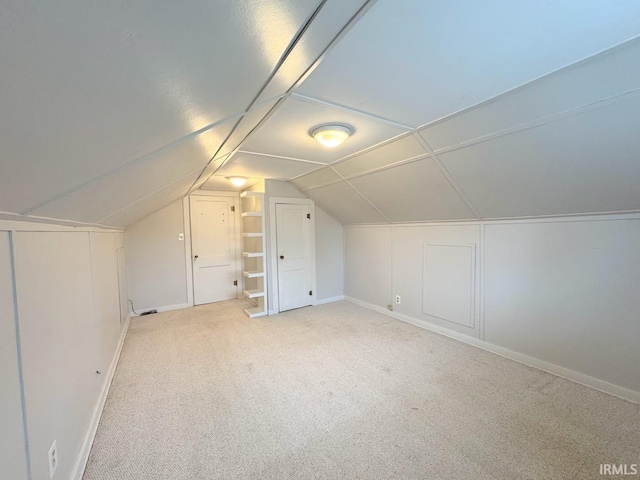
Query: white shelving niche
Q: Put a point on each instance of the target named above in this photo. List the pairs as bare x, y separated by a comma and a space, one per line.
253, 252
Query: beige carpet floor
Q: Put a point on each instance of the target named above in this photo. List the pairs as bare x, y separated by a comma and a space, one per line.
340, 392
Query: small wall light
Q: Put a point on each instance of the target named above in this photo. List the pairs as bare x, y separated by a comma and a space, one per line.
237, 181
331, 135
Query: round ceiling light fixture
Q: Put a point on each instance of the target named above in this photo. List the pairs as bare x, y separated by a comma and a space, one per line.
237, 181
331, 135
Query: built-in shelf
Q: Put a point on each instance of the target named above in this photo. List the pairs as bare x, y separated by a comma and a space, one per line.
251, 194
253, 274
255, 312
253, 249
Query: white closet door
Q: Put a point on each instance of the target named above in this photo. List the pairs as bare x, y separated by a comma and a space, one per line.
213, 249
293, 238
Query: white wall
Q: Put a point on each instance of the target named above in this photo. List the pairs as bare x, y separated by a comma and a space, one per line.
561, 291
329, 257
368, 270
156, 260
68, 312
12, 442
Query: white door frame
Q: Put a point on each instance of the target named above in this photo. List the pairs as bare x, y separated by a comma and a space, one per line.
274, 291
186, 208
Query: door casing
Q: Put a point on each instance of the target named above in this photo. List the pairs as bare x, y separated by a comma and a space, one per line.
186, 207
272, 266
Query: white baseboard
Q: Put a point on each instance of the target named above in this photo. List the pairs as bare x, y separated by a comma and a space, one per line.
168, 308
330, 300
586, 380
85, 450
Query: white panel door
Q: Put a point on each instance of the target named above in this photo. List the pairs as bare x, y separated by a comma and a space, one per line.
293, 238
213, 249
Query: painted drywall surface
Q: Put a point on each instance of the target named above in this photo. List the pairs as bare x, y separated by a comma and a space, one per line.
563, 291
59, 340
277, 188
409, 271
106, 296
12, 442
156, 261
567, 293
329, 256
368, 270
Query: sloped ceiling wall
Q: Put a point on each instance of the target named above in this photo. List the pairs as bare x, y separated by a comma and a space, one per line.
461, 110
112, 110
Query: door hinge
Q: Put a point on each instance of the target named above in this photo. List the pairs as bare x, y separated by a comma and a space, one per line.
308, 215
310, 292
235, 282
233, 208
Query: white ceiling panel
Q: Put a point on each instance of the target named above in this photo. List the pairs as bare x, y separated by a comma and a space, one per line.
286, 132
582, 164
127, 185
417, 191
315, 179
393, 152
88, 87
149, 204
415, 61
600, 77
245, 164
246, 125
345, 204
333, 16
221, 183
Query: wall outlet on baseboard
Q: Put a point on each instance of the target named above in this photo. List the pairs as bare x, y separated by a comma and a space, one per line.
53, 459
398, 299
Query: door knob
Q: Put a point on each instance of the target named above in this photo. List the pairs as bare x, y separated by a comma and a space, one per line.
195, 257
281, 257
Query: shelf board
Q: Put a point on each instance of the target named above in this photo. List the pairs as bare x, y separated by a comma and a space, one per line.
251, 214
255, 293
252, 254
251, 235
253, 273
251, 194
255, 312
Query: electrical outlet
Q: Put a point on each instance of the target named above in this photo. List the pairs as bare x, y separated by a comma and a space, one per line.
398, 299
181, 237
53, 459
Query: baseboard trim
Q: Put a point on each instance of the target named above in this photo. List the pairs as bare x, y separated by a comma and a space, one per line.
330, 300
168, 308
586, 380
85, 450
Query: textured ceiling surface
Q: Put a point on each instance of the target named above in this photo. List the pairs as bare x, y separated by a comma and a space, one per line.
461, 110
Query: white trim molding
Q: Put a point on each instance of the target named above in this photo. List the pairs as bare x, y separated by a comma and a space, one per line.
582, 379
83, 456
330, 300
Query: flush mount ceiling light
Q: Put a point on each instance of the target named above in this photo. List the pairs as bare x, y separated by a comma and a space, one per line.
331, 135
237, 181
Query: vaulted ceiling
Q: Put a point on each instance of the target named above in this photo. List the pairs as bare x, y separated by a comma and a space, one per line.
461, 110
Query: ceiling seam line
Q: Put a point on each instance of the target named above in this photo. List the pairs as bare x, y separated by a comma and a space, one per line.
360, 193
361, 113
134, 162
577, 63
270, 155
538, 122
363, 9
271, 76
448, 176
235, 150
149, 194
